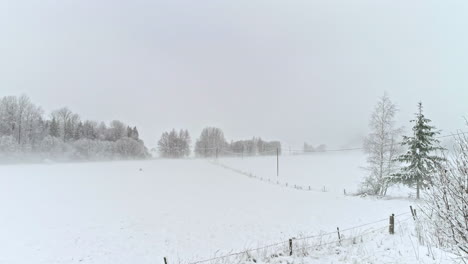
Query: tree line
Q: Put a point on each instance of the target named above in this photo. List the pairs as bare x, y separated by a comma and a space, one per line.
26, 131
212, 143
310, 148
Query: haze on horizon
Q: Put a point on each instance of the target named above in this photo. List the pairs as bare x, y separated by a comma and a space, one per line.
289, 70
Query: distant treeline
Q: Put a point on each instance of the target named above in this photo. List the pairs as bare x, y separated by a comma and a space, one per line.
212, 143
310, 148
26, 132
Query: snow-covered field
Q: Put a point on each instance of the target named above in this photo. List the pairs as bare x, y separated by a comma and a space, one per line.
186, 210
330, 171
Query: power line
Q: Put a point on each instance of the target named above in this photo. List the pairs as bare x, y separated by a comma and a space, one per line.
301, 151
361, 148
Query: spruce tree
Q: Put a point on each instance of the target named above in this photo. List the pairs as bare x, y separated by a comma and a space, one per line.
129, 132
135, 134
420, 160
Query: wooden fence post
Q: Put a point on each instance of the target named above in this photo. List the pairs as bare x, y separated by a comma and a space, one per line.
412, 212
391, 228
290, 247
339, 236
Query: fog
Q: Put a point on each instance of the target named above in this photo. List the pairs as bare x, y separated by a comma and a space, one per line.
293, 71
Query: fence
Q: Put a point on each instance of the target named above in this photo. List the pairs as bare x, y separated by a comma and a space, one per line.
267, 180
293, 245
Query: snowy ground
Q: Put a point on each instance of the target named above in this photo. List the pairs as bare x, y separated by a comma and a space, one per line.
186, 210
331, 171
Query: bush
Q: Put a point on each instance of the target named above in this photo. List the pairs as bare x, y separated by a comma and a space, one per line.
446, 207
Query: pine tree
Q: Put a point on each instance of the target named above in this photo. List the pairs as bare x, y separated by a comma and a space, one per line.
420, 159
135, 134
129, 132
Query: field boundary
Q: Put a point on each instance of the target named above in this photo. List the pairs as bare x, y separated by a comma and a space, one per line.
269, 181
292, 246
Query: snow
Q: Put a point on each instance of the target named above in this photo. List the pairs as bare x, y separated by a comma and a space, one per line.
330, 171
186, 210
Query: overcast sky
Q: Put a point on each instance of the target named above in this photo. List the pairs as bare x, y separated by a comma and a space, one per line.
289, 70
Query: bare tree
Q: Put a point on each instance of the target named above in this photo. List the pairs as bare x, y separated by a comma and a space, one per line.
117, 130
174, 145
8, 109
62, 116
23, 105
446, 205
381, 147
23, 130
211, 141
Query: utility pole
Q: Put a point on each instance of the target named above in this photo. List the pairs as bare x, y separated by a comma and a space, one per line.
277, 162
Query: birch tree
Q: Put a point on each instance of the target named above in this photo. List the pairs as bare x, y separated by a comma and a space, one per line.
381, 147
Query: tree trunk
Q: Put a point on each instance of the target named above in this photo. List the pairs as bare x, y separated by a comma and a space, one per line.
19, 134
417, 189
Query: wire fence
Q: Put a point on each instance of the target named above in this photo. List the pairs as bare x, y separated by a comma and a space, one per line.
268, 180
290, 246
306, 240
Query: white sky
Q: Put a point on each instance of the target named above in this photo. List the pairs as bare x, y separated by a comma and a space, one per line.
289, 70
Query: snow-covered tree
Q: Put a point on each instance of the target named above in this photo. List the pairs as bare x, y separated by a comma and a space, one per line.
53, 147
102, 131
79, 132
381, 147
54, 129
174, 145
8, 110
64, 117
129, 148
211, 141
308, 148
446, 206
24, 131
117, 130
133, 133
8, 145
421, 161
90, 130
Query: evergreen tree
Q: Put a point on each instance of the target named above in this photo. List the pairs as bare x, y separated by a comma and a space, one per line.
420, 159
129, 132
135, 134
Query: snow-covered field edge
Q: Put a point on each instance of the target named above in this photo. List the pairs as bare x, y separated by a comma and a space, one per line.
366, 243
356, 245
